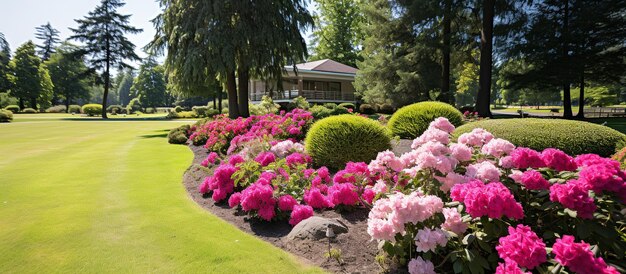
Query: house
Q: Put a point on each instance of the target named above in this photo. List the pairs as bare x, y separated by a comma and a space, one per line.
323, 81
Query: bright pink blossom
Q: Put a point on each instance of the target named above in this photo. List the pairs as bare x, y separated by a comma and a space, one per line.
493, 200
286, 203
343, 194
524, 158
300, 213
265, 158
523, 246
558, 160
297, 158
450, 180
234, 200
578, 257
574, 195
316, 199
210, 159
236, 159
533, 180
509, 267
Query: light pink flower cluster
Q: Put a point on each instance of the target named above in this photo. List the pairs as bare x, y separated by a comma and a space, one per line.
385, 162
429, 239
522, 246
284, 148
461, 152
578, 258
453, 222
484, 171
451, 180
476, 138
421, 266
389, 215
575, 196
493, 200
431, 155
498, 147
438, 131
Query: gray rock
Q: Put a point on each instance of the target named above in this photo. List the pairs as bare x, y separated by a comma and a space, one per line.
314, 228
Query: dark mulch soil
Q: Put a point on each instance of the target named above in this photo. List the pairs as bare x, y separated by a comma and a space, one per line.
358, 252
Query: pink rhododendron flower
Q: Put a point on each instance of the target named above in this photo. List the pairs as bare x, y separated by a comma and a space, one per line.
573, 195
594, 159
210, 159
284, 148
484, 171
265, 158
524, 158
522, 246
234, 200
430, 155
493, 200
601, 177
353, 171
506, 162
323, 173
453, 222
461, 152
220, 183
421, 266
509, 267
300, 213
450, 180
297, 158
428, 239
431, 135
343, 194
442, 123
286, 203
316, 199
236, 159
259, 197
533, 180
368, 194
498, 147
386, 160
578, 257
476, 138
558, 160
517, 176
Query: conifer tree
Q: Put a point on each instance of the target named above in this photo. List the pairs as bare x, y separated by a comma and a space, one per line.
49, 37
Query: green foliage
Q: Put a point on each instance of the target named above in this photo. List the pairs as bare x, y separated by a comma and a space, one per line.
348, 105
26, 76
336, 140
320, 112
13, 108
56, 109
68, 73
330, 105
411, 121
124, 87
595, 96
29, 110
266, 106
386, 109
340, 31
133, 106
6, 80
182, 115
49, 37
299, 102
178, 109
7, 100
44, 100
6, 116
201, 111
367, 109
573, 137
149, 85
117, 109
178, 135
92, 109
74, 109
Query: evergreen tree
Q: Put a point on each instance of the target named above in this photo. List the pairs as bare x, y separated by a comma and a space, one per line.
44, 100
25, 67
69, 74
124, 87
49, 37
5, 59
150, 84
102, 31
230, 41
339, 33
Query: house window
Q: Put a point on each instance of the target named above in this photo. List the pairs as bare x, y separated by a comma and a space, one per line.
334, 86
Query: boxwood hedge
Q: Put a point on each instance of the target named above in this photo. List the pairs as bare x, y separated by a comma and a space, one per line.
6, 116
92, 109
411, 121
336, 140
573, 137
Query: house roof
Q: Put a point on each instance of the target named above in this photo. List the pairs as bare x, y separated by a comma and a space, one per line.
327, 65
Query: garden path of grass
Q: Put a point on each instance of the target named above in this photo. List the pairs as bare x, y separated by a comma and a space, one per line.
89, 196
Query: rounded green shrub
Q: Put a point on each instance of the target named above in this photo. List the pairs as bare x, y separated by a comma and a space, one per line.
92, 109
336, 140
13, 108
339, 110
348, 105
367, 109
299, 102
117, 109
201, 111
74, 109
56, 109
6, 116
573, 137
178, 135
178, 109
412, 120
29, 110
133, 106
330, 105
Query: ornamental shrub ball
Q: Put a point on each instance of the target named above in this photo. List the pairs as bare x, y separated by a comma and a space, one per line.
348, 105
386, 109
178, 109
337, 140
13, 108
29, 110
92, 109
411, 121
367, 109
56, 109
6, 116
201, 111
117, 109
74, 109
330, 105
572, 137
299, 102
133, 106
178, 135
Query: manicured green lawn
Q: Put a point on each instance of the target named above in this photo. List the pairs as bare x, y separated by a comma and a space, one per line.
91, 196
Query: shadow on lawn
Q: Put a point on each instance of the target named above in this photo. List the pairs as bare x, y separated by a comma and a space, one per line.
148, 136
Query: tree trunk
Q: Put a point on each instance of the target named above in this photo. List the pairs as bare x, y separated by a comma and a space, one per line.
483, 99
215, 101
581, 98
231, 86
243, 75
67, 105
33, 103
446, 96
22, 106
220, 94
567, 98
106, 90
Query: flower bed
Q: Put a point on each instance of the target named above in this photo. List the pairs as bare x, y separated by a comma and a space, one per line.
479, 205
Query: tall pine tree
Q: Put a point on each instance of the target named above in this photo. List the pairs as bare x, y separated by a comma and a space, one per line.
5, 59
150, 84
49, 37
25, 67
102, 31
69, 74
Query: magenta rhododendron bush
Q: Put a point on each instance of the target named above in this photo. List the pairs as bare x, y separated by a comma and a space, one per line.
475, 205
